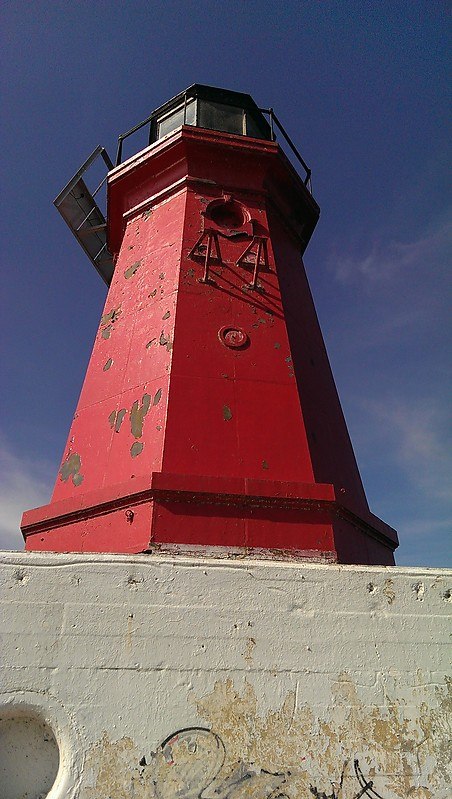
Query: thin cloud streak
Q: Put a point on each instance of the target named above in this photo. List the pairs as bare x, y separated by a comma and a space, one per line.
418, 433
388, 258
20, 489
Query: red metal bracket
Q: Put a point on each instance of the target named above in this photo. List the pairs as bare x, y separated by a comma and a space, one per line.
205, 250
260, 252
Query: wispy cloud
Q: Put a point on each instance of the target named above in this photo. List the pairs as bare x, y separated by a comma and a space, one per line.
418, 431
23, 485
388, 257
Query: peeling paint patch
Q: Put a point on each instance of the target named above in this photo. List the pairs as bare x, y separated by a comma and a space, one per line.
165, 341
107, 365
119, 419
388, 591
146, 214
111, 316
166, 315
71, 468
106, 332
137, 414
157, 397
336, 754
132, 269
112, 418
136, 448
352, 750
153, 293
227, 413
419, 590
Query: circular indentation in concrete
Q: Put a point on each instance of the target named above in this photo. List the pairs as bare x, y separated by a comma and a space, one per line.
29, 756
40, 748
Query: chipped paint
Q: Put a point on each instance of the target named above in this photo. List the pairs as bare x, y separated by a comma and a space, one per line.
111, 316
136, 448
227, 413
106, 332
107, 365
137, 414
388, 591
71, 468
351, 750
146, 214
132, 270
166, 315
165, 341
157, 397
119, 419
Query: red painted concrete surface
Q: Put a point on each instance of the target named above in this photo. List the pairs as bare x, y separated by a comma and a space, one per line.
209, 415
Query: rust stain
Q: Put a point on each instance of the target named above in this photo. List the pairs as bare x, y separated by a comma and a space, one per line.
132, 269
71, 468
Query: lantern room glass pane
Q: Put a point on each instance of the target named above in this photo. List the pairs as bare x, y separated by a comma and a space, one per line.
253, 128
175, 118
218, 116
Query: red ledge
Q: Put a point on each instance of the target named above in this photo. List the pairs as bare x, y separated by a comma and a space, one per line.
194, 489
176, 487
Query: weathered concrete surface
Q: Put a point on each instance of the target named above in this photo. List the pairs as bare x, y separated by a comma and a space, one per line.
282, 680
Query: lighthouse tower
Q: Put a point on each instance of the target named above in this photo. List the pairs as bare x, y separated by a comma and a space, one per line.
208, 419
206, 606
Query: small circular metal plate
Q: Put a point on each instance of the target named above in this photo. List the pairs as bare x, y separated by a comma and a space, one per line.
233, 337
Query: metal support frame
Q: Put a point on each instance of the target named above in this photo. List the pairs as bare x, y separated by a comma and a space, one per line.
77, 206
212, 236
261, 245
86, 164
275, 121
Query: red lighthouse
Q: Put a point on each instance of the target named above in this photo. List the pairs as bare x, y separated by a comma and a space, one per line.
208, 419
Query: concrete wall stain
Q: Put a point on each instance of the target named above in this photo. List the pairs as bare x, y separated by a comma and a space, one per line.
395, 751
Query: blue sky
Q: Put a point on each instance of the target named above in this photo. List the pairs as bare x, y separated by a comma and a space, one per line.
361, 88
